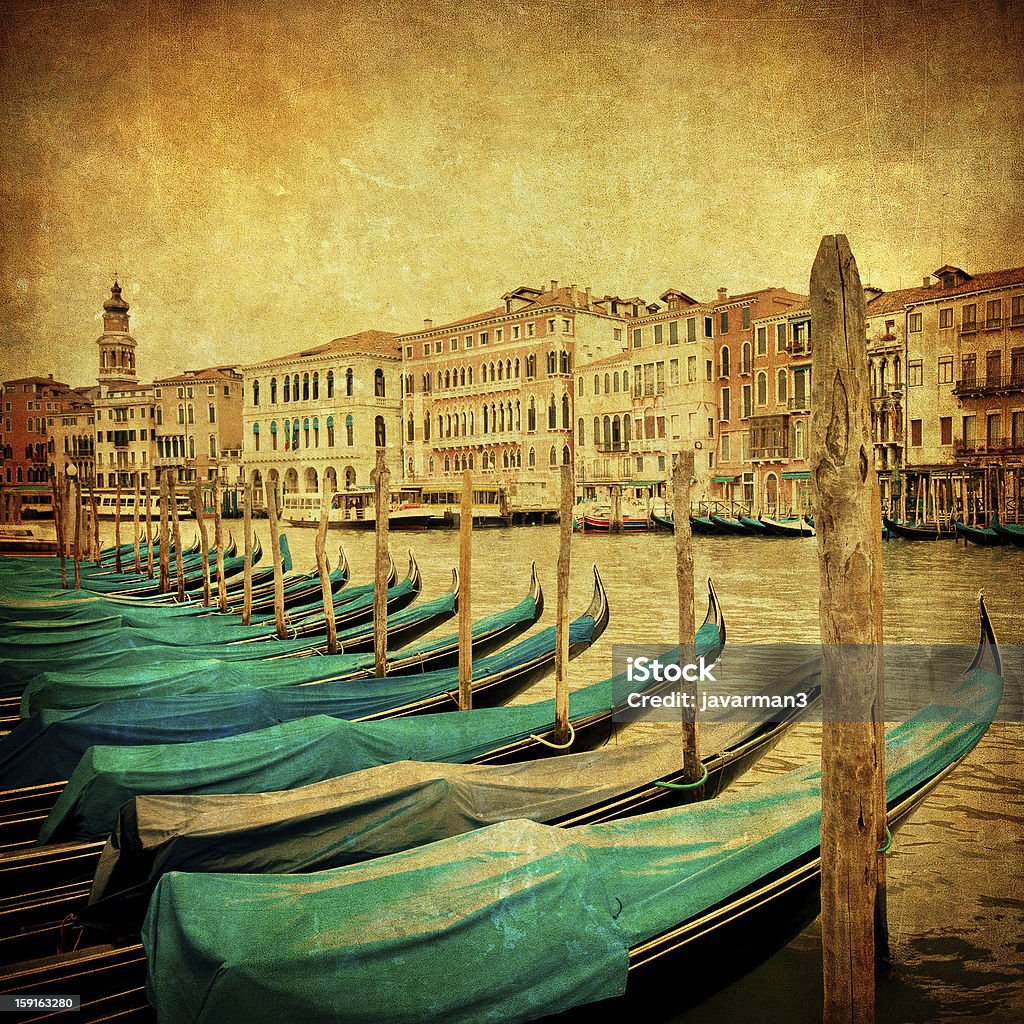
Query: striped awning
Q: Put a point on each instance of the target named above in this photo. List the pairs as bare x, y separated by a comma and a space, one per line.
724, 479
797, 474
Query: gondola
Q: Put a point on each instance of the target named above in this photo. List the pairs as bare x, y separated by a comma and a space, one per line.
730, 527
603, 524
1013, 532
703, 524
988, 536
918, 531
316, 739
548, 918
792, 527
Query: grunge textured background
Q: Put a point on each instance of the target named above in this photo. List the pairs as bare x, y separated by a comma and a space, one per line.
270, 175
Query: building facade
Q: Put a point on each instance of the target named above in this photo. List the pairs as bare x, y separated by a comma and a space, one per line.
313, 420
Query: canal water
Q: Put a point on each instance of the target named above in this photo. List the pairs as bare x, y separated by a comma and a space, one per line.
956, 871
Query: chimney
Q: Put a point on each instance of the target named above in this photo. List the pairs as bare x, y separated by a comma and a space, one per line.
427, 324
723, 294
508, 305
554, 285
927, 282
588, 297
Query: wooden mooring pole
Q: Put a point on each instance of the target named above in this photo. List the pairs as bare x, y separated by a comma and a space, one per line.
247, 561
218, 543
848, 524
565, 510
117, 526
323, 567
165, 542
76, 483
382, 505
135, 525
275, 550
465, 587
94, 513
59, 526
179, 556
682, 481
197, 510
149, 529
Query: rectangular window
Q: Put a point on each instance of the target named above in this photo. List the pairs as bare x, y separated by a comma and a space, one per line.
617, 334
711, 426
691, 368
551, 326
723, 448
745, 446
673, 332
437, 346
673, 371
566, 326
723, 322
1018, 430
691, 329
726, 412
945, 369
915, 433
210, 389
780, 337
969, 368
994, 429
455, 344
993, 314
746, 318
747, 400
531, 329
659, 334
969, 318
915, 373
946, 317
661, 426
638, 337
968, 424
914, 323
946, 429
709, 327
1017, 310
426, 348
649, 378
661, 378
762, 339
499, 334
515, 332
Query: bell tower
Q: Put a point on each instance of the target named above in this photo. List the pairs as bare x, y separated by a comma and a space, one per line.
116, 345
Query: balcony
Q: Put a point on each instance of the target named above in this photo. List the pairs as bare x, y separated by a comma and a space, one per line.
1017, 320
802, 403
991, 384
988, 446
779, 453
614, 446
994, 323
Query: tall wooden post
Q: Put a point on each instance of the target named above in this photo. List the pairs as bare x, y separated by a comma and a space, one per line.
94, 513
58, 522
218, 543
117, 526
324, 569
165, 541
275, 549
247, 561
682, 480
382, 506
197, 509
565, 509
77, 483
465, 594
149, 529
615, 526
135, 525
848, 524
179, 555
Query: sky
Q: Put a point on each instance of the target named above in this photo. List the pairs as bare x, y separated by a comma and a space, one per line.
266, 176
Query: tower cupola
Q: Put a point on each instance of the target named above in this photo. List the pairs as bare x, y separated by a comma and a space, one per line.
117, 346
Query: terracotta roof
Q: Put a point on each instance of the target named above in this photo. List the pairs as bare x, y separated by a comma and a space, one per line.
374, 343
39, 380
890, 302
624, 356
782, 293
223, 372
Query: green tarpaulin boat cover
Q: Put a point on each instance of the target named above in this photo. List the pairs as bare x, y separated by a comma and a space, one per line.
177, 672
507, 923
310, 746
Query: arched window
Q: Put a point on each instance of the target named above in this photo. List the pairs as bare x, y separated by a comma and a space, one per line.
565, 362
380, 435
430, 465
552, 414
625, 380
508, 369
273, 391
487, 420
483, 372
501, 416
469, 377
255, 392
607, 383
566, 455
350, 438
531, 459
517, 368
349, 377
762, 388
492, 371
579, 432
531, 415
330, 383
501, 370
531, 366
256, 437
606, 431
566, 413
597, 384
552, 457
504, 459
616, 430
462, 376
305, 387
411, 429
745, 358
426, 383
330, 431
463, 424
426, 427
519, 418
316, 385
782, 389
615, 381
447, 380
723, 362
579, 386
597, 431
287, 389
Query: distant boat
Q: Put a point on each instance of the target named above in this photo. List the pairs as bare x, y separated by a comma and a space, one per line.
792, 526
919, 531
728, 525
1013, 532
986, 535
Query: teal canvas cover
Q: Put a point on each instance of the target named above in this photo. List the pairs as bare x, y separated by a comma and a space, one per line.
309, 746
181, 671
506, 923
